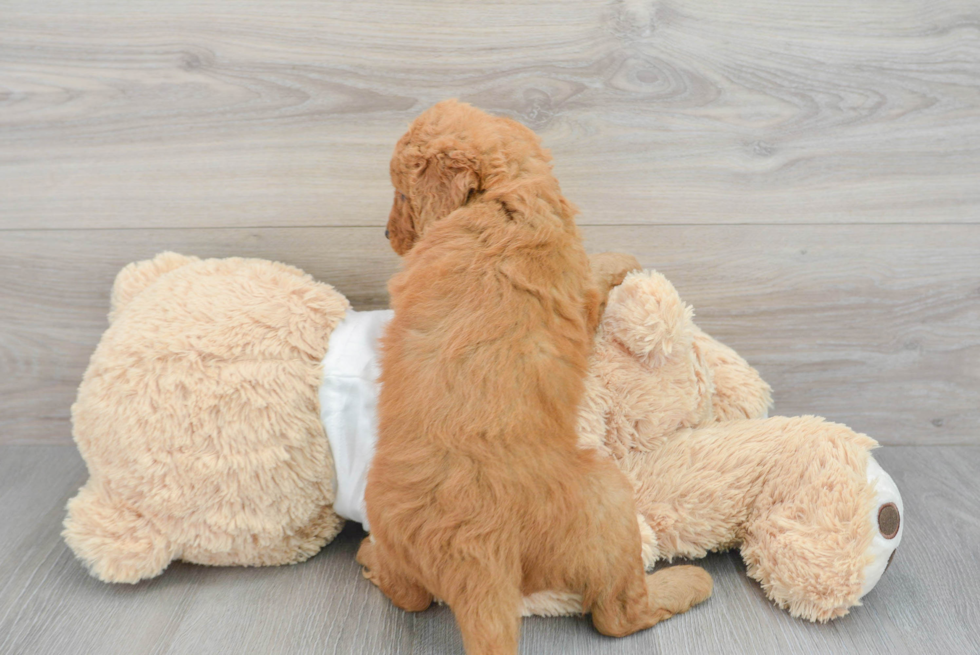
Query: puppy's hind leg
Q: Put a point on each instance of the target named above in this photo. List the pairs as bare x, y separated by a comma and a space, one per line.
637, 607
621, 597
676, 589
398, 587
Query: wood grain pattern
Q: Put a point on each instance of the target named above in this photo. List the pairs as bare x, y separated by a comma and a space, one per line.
208, 113
876, 328
48, 605
805, 172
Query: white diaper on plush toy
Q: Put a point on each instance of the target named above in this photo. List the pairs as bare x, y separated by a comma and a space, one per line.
349, 406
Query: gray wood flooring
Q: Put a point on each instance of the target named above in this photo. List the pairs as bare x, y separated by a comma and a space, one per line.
926, 603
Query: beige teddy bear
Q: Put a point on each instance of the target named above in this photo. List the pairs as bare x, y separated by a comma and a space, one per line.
816, 519
226, 418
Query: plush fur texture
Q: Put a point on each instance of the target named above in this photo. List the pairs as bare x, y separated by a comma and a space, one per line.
766, 487
478, 493
176, 381
664, 401
198, 420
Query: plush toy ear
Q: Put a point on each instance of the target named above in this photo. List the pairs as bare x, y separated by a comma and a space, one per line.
646, 315
447, 173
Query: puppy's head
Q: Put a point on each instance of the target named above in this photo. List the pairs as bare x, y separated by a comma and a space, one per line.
451, 153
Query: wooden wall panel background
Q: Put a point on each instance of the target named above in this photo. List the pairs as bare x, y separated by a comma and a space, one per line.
247, 113
807, 173
872, 326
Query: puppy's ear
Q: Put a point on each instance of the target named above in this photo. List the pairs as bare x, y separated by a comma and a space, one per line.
447, 172
401, 226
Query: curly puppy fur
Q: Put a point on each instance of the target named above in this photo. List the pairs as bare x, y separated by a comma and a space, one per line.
478, 493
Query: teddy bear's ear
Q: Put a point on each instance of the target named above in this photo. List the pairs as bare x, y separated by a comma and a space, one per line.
646, 315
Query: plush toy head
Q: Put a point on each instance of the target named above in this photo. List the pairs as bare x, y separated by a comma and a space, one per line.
197, 418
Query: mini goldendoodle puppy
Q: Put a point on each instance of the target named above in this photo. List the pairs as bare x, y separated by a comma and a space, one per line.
478, 493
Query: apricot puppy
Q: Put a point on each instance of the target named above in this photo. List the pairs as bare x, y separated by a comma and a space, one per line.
478, 493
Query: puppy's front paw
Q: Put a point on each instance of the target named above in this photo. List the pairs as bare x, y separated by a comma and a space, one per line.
609, 269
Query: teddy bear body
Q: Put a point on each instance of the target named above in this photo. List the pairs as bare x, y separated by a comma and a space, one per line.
685, 419
201, 419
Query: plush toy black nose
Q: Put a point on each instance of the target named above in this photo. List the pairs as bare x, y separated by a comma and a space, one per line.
889, 520
386, 234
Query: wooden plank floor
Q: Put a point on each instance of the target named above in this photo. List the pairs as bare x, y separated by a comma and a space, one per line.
926, 602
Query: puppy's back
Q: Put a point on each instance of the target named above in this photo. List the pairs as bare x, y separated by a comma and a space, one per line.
490, 330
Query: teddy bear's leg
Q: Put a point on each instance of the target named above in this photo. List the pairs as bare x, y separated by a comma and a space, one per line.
739, 391
278, 543
403, 592
116, 542
137, 276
